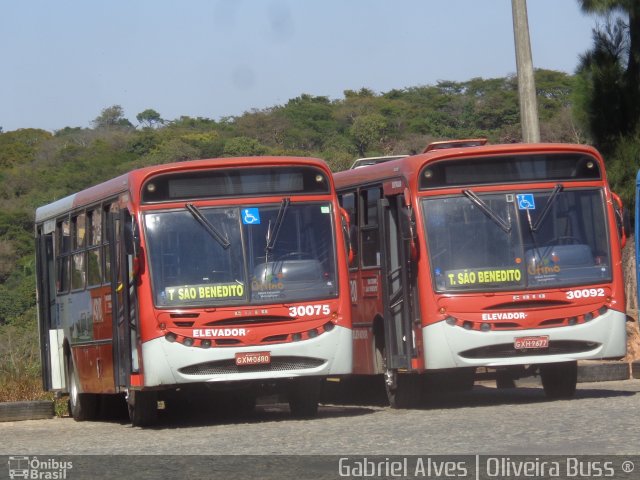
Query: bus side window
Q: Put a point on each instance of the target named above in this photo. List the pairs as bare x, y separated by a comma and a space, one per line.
369, 227
63, 248
78, 275
94, 241
348, 202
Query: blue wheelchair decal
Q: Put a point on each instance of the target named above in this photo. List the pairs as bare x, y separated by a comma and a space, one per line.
526, 201
250, 216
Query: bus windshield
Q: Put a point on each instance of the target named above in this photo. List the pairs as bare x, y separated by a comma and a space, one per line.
518, 239
258, 254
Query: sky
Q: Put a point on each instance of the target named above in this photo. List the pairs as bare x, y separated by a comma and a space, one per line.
64, 61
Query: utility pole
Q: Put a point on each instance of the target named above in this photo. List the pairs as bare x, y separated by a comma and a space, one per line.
526, 79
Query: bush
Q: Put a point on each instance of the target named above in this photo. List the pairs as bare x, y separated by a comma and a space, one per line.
20, 377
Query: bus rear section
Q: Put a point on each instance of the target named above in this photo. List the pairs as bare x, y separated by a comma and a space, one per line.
500, 261
221, 276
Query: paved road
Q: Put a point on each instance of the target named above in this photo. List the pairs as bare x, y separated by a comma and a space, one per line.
601, 419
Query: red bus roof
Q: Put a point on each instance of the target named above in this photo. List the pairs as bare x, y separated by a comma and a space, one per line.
410, 166
131, 181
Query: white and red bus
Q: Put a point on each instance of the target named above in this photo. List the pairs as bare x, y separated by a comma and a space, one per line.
472, 259
227, 272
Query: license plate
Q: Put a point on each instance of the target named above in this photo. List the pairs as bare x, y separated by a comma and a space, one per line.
525, 343
253, 358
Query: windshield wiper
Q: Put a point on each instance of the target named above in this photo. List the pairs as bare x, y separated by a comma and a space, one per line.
272, 232
202, 220
552, 198
478, 202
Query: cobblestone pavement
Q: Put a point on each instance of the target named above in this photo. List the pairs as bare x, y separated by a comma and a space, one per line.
601, 419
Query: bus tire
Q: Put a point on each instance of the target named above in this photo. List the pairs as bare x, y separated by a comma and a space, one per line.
82, 406
403, 390
303, 397
143, 407
559, 380
407, 391
113, 407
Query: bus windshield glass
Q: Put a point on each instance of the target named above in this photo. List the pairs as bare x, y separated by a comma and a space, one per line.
519, 239
258, 254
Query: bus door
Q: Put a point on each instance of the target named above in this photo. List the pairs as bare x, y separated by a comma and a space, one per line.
51, 334
396, 288
123, 298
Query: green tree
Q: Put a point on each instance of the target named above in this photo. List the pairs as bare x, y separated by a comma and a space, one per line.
243, 147
601, 98
110, 117
622, 166
368, 130
612, 68
311, 122
20, 146
149, 118
173, 149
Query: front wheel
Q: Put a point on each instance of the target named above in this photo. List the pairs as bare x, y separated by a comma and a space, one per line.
559, 380
143, 407
304, 395
82, 406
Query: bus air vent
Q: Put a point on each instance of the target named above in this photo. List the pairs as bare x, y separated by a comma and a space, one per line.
183, 324
556, 347
249, 321
553, 322
528, 304
276, 338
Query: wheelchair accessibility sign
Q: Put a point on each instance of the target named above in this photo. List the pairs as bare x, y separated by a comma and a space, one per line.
250, 216
526, 201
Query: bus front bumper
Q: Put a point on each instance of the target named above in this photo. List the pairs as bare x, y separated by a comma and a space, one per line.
172, 363
451, 346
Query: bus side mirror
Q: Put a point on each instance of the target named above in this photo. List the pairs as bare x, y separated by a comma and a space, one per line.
346, 233
623, 221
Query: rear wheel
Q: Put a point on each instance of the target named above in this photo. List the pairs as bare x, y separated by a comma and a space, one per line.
559, 380
304, 395
82, 406
113, 407
143, 407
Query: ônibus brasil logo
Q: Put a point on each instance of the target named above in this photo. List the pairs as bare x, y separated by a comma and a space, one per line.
35, 468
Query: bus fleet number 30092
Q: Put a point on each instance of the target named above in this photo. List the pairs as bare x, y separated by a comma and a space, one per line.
585, 293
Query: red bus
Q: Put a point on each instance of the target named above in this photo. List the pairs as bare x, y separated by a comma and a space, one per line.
472, 259
216, 273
